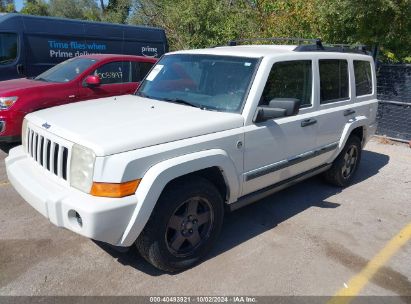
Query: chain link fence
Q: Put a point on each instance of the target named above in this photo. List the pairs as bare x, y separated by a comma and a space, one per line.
394, 95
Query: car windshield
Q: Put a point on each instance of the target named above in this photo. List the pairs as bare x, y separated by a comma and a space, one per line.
205, 81
67, 70
8, 47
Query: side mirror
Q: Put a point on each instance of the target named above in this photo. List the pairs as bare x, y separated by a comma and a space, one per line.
278, 107
92, 81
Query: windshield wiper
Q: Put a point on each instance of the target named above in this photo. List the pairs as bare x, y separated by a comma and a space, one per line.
141, 94
184, 102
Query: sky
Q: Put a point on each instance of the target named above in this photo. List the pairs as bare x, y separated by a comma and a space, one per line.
19, 4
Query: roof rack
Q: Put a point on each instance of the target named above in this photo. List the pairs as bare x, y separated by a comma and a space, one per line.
310, 45
298, 41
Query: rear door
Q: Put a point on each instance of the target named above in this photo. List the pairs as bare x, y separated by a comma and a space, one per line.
335, 102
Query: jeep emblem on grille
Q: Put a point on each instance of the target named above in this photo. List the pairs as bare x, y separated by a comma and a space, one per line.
46, 125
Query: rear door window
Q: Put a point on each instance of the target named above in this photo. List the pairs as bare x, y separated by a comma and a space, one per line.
363, 79
114, 72
140, 70
334, 84
8, 48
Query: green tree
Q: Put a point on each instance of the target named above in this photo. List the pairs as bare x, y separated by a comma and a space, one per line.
75, 9
7, 6
197, 23
117, 11
383, 22
287, 18
35, 7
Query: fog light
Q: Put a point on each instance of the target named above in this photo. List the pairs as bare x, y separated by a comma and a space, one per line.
79, 220
75, 219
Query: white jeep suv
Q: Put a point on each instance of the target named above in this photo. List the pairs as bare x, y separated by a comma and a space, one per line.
208, 131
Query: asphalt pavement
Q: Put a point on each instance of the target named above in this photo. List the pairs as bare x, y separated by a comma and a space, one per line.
310, 239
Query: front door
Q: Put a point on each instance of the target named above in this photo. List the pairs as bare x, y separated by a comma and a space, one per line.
281, 148
116, 79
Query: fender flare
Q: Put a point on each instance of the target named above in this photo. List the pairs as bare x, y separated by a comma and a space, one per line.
359, 121
159, 175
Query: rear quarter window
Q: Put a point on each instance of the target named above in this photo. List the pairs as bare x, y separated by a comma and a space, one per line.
363, 78
140, 70
334, 85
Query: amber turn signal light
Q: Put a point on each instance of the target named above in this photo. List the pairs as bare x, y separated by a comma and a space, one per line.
114, 190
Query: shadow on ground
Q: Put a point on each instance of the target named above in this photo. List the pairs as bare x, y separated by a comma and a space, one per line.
6, 147
266, 214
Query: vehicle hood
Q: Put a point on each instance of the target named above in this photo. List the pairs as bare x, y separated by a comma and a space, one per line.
9, 86
118, 124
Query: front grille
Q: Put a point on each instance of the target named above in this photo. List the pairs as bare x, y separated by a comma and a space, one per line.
50, 155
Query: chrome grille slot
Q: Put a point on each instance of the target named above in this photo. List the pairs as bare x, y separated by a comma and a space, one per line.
40, 150
55, 158
65, 161
35, 146
49, 154
48, 149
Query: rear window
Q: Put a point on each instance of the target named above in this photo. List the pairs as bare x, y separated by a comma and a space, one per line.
363, 80
333, 80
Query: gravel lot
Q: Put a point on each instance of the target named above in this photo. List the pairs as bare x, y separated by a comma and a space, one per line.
309, 239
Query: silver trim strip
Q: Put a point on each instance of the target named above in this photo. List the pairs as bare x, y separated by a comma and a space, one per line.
282, 164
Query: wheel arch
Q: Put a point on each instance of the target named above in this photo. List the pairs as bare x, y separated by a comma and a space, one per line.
214, 175
356, 127
214, 165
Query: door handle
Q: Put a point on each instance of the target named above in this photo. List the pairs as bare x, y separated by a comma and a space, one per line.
20, 69
72, 96
308, 122
349, 112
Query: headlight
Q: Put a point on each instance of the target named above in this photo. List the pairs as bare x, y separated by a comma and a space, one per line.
7, 102
24, 133
81, 168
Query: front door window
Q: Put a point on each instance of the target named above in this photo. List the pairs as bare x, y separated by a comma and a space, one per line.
8, 48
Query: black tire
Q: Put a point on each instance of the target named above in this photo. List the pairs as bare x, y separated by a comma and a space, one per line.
344, 166
160, 243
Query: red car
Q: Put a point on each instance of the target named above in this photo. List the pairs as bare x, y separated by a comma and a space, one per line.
79, 78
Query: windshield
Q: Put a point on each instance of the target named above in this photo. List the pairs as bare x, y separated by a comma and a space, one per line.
206, 81
8, 47
67, 70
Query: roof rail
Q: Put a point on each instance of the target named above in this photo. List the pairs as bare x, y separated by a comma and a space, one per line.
343, 48
311, 45
298, 41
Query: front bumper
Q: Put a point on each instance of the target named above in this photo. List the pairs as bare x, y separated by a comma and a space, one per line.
102, 219
10, 124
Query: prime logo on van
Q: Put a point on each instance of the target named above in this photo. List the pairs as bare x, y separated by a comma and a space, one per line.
148, 51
